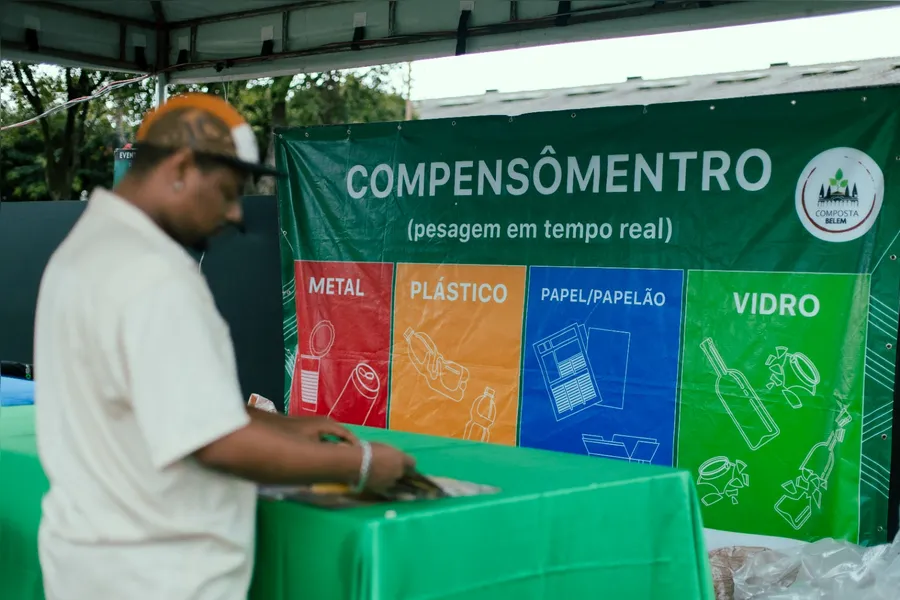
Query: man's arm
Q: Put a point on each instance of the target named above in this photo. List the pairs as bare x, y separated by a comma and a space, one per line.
311, 427
269, 419
268, 454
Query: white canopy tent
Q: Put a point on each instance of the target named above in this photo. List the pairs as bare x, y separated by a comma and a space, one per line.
216, 40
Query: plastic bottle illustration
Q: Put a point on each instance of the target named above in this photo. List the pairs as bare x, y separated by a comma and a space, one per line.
357, 397
443, 376
305, 388
481, 417
749, 414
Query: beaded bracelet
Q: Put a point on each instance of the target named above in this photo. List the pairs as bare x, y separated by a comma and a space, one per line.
364, 466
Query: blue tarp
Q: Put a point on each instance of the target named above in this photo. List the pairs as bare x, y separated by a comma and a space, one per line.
16, 392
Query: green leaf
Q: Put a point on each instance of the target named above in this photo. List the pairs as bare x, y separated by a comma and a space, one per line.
833, 182
839, 174
844, 183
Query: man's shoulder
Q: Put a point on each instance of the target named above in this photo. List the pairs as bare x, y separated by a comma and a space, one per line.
116, 264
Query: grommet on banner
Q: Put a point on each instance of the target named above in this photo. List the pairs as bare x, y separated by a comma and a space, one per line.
267, 37
563, 12
462, 28
359, 30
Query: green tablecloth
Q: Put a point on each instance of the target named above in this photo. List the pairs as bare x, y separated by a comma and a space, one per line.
22, 484
563, 526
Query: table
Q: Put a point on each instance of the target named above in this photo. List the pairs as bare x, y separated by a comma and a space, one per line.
22, 485
563, 525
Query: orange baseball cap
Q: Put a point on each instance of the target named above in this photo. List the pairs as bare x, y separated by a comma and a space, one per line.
209, 126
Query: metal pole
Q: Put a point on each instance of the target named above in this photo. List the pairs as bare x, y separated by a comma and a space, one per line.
162, 89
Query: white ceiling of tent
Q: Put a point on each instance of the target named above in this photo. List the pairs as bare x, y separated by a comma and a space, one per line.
209, 40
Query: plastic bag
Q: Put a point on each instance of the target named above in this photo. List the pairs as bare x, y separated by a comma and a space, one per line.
825, 570
723, 563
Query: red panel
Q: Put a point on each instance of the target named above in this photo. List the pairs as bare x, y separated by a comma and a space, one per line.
344, 335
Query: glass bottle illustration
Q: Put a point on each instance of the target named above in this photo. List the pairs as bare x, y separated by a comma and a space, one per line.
481, 417
358, 396
750, 415
443, 376
305, 387
796, 505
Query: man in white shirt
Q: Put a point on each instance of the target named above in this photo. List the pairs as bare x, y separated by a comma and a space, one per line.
142, 429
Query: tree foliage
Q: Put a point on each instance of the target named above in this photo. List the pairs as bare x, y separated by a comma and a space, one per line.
70, 151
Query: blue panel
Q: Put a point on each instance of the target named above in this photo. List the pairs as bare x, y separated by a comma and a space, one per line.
601, 362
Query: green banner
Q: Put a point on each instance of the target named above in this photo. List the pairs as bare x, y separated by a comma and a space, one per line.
711, 285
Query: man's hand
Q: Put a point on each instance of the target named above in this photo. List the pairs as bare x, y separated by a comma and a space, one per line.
388, 465
315, 428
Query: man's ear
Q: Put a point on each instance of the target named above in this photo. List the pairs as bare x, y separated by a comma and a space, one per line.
180, 163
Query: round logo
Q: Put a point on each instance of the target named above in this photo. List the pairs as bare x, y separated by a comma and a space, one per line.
839, 194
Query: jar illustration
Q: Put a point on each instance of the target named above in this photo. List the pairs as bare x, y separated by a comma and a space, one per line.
721, 478
794, 373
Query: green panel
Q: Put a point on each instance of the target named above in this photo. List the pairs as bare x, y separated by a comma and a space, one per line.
786, 457
780, 186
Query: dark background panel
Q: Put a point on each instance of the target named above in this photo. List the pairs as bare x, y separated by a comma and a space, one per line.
242, 269
29, 233
244, 274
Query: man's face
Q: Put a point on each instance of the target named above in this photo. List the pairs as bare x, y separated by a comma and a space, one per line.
208, 202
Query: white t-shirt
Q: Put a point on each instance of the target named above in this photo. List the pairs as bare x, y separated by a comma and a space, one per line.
135, 371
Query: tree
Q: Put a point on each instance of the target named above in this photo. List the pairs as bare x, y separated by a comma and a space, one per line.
41, 160
63, 133
79, 153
